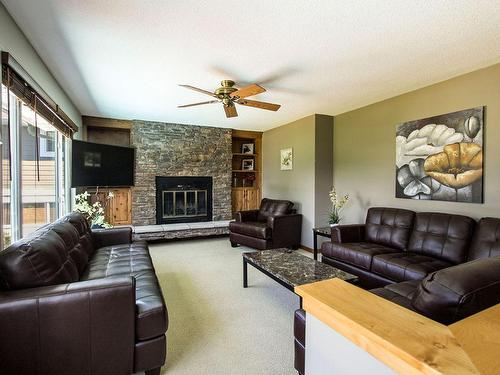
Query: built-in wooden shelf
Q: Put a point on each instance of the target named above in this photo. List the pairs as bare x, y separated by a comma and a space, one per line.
240, 154
244, 171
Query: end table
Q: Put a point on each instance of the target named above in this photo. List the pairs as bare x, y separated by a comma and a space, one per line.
323, 232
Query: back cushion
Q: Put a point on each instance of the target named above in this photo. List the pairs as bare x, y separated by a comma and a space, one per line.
486, 242
54, 254
272, 207
443, 236
389, 226
457, 292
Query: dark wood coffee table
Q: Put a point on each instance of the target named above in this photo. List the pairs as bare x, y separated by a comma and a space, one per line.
290, 268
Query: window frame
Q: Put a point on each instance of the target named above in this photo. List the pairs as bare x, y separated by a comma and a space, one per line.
61, 153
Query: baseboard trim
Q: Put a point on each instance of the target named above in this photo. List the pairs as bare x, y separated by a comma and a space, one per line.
306, 248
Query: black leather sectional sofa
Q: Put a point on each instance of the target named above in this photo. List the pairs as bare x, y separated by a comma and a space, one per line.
443, 266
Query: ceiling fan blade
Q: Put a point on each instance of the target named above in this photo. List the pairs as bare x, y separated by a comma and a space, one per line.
191, 105
257, 104
230, 111
199, 90
250, 90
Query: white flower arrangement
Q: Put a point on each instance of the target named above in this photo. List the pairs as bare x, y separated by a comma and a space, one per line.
337, 205
94, 213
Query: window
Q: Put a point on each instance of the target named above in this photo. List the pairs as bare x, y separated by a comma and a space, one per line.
34, 187
5, 148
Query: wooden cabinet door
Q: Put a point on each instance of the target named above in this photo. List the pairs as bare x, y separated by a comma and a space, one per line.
238, 199
252, 199
121, 207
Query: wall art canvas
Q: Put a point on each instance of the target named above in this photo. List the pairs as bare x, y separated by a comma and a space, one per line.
286, 159
441, 157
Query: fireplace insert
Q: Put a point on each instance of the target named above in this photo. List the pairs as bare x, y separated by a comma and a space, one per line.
183, 199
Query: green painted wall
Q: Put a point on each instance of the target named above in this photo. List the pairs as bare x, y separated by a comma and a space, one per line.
364, 144
310, 138
12, 40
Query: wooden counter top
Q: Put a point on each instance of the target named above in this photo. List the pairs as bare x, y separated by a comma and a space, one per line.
405, 341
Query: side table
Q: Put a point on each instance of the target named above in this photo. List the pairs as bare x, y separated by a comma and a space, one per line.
323, 232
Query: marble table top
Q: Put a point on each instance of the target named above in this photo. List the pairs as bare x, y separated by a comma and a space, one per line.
293, 268
327, 231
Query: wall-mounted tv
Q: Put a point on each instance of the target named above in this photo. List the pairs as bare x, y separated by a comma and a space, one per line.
95, 164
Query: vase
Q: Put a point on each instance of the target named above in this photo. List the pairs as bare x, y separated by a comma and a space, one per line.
334, 224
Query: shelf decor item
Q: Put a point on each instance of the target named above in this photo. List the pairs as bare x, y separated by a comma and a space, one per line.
337, 205
441, 157
247, 148
286, 159
247, 164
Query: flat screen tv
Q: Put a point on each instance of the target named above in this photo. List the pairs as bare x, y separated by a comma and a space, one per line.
95, 164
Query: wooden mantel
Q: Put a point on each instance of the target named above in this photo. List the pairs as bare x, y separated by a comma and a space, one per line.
405, 341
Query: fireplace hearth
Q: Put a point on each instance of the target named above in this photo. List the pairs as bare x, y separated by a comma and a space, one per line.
183, 199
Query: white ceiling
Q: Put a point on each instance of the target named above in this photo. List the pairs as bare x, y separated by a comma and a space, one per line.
124, 58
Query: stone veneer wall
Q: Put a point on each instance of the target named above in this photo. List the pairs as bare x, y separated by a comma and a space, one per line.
164, 149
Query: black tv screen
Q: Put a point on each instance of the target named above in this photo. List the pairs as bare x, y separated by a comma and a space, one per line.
95, 164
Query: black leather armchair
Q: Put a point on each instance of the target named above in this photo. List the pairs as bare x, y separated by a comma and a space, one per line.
274, 225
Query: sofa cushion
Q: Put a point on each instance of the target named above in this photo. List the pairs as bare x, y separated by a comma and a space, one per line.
389, 227
486, 242
252, 229
359, 254
400, 293
273, 207
457, 292
442, 236
123, 259
57, 253
134, 260
406, 266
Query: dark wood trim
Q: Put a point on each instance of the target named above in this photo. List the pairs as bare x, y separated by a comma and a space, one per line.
103, 122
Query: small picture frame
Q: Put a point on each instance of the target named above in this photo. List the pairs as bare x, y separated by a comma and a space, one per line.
247, 148
286, 159
247, 164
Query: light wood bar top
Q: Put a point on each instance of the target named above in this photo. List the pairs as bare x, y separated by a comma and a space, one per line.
405, 341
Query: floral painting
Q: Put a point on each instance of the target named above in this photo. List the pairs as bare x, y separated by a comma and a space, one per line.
441, 157
286, 159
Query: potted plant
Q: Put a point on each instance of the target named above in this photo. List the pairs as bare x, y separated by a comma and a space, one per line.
337, 205
94, 213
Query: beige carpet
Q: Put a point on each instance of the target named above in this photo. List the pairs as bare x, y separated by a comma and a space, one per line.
217, 326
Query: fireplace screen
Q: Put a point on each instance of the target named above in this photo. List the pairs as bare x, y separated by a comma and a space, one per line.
183, 199
187, 203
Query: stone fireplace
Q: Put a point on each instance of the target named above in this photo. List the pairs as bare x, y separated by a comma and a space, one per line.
180, 151
183, 199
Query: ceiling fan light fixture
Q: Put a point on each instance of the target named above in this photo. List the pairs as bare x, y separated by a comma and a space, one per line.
229, 95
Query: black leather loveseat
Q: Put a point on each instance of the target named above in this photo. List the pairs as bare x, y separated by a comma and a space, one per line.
76, 301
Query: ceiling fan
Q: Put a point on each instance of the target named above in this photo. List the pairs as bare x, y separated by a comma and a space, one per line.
228, 95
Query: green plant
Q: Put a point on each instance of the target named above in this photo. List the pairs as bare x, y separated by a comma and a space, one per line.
94, 213
337, 205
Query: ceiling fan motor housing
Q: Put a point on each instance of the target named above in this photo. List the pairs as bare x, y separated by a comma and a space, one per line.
225, 89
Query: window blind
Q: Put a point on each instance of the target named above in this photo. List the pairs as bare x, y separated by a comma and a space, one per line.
19, 82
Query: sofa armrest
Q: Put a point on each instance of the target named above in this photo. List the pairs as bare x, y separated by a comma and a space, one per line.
286, 229
250, 215
91, 322
457, 292
348, 233
111, 236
